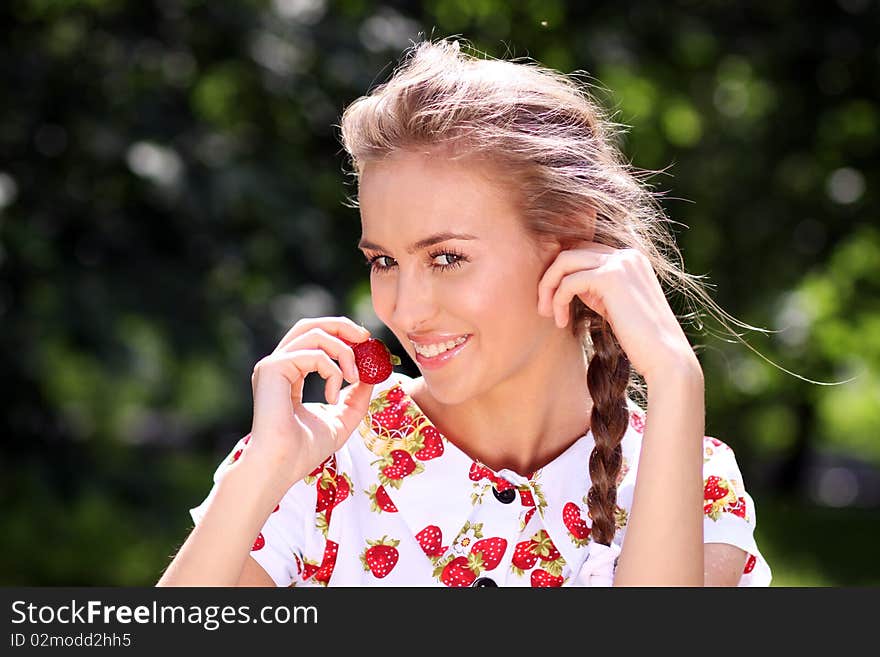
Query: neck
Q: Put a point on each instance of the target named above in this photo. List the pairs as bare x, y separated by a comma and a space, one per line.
522, 423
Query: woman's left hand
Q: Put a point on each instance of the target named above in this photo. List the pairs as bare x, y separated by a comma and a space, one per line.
621, 286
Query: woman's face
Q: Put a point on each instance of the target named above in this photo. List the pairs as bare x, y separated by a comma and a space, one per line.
452, 263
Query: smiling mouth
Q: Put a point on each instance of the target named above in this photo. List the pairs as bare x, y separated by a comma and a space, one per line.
430, 351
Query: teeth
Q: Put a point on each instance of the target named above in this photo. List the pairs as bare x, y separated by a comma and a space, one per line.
431, 350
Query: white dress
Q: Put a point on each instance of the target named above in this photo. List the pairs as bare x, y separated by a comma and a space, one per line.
400, 505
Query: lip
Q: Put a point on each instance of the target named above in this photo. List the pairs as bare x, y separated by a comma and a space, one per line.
440, 360
434, 338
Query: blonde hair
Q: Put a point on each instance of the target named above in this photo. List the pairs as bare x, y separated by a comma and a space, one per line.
559, 158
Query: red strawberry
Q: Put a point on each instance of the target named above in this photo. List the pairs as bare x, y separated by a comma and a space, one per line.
738, 508
523, 557
501, 484
389, 417
395, 394
541, 578
526, 497
715, 488
750, 564
457, 573
379, 500
478, 472
309, 569
236, 456
373, 359
325, 498
277, 506
324, 573
381, 557
328, 464
433, 445
577, 526
400, 466
332, 491
259, 543
491, 549
528, 517
637, 422
431, 539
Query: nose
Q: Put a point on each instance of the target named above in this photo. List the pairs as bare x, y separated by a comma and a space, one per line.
414, 301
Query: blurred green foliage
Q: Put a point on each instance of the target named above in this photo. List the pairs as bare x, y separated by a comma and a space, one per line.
171, 200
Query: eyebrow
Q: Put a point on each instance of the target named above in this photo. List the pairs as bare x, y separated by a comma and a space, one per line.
421, 244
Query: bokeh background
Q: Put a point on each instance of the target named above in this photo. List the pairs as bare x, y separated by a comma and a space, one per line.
172, 197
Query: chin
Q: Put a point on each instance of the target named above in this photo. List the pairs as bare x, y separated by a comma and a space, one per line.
447, 395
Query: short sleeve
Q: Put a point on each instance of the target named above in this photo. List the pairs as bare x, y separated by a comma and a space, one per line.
279, 545
729, 514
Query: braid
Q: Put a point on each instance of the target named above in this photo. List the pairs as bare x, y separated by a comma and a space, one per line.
607, 378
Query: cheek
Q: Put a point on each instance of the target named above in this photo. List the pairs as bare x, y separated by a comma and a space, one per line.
381, 296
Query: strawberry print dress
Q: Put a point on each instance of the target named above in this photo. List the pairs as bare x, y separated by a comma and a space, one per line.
400, 505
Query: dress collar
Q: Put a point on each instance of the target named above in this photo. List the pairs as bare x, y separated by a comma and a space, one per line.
432, 482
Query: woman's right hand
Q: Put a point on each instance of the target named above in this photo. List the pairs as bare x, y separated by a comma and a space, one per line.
287, 436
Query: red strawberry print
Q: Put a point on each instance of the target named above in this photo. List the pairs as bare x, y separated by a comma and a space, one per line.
332, 491
323, 574
458, 573
277, 506
579, 532
501, 484
527, 517
395, 394
236, 455
388, 417
717, 495
258, 543
541, 578
523, 557
715, 442
399, 464
309, 569
479, 471
738, 508
329, 464
526, 497
379, 500
714, 489
431, 540
373, 360
750, 564
381, 556
637, 422
491, 550
433, 444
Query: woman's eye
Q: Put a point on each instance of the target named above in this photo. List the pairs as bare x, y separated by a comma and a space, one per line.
441, 261
376, 264
451, 259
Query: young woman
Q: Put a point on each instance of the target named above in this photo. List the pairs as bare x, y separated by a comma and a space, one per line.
518, 261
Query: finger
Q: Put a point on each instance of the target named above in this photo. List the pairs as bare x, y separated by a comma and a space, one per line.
566, 263
355, 401
578, 283
341, 327
317, 337
310, 360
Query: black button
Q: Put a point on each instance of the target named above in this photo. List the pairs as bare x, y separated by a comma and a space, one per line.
506, 496
484, 581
